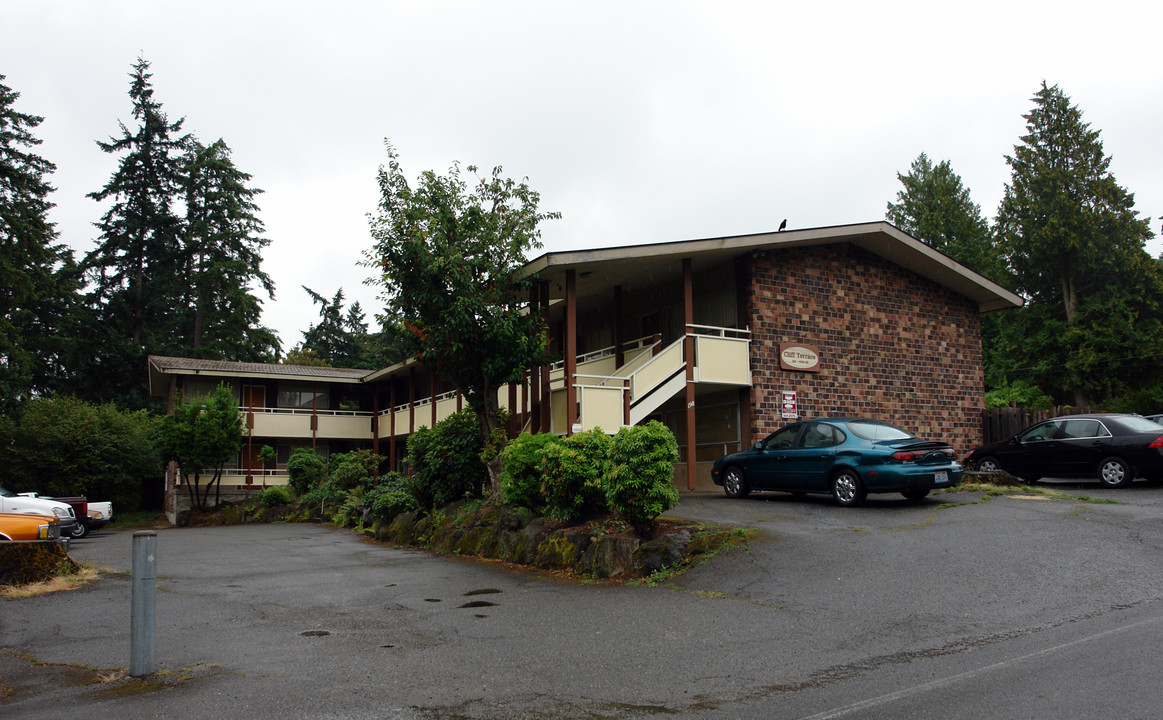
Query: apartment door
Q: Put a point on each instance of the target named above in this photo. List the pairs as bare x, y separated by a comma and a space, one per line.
254, 397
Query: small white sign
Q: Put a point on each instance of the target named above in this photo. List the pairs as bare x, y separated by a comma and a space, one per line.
789, 405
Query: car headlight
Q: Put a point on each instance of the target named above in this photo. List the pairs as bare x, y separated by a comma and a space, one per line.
96, 515
42, 531
58, 512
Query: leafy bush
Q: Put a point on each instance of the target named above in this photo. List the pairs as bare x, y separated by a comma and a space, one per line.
573, 470
65, 446
305, 469
275, 495
521, 478
354, 469
640, 483
326, 492
393, 496
446, 460
1018, 393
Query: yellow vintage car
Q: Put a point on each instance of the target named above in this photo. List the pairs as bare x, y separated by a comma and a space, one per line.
26, 526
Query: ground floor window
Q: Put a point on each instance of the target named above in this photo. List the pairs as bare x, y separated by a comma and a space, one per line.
284, 451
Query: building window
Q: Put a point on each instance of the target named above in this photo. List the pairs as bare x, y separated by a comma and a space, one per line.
303, 396
198, 390
284, 451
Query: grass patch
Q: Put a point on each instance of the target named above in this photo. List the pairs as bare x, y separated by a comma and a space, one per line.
139, 519
65, 580
1023, 492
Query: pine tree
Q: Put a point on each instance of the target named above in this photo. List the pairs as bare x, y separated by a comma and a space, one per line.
934, 207
38, 278
1093, 324
337, 338
222, 249
135, 272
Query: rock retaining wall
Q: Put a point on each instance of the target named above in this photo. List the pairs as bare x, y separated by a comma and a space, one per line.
514, 535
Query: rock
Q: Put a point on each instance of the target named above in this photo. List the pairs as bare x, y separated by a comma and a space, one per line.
610, 556
563, 549
660, 552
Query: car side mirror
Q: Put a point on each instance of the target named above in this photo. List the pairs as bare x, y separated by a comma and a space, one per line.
758, 445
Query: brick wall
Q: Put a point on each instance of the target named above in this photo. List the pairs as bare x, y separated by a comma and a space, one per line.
893, 345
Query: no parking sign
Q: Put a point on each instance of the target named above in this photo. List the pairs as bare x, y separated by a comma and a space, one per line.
791, 409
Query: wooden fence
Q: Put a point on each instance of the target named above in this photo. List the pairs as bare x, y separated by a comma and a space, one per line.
1004, 423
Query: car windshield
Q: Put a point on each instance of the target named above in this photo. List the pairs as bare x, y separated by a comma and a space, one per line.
878, 430
1134, 423
6, 493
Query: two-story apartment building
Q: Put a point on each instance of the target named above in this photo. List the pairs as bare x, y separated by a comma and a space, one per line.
723, 339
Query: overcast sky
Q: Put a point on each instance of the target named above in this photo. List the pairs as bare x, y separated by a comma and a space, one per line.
638, 121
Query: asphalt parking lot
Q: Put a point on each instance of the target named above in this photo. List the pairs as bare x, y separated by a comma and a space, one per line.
1019, 606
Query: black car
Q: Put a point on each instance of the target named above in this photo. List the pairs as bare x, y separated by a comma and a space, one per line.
1114, 448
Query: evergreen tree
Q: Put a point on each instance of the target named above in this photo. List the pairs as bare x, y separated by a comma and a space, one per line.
337, 338
38, 277
934, 207
222, 245
1093, 324
135, 272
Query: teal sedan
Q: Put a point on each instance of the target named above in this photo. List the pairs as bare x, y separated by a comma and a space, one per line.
844, 457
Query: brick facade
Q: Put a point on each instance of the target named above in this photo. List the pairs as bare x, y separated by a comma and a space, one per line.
893, 345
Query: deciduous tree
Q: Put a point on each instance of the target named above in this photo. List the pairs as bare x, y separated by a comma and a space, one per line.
450, 259
201, 435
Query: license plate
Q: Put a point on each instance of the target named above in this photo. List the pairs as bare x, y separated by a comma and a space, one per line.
940, 476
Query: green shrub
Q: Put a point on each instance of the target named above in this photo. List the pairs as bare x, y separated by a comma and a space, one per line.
446, 460
521, 476
640, 484
325, 492
349, 509
354, 469
305, 469
64, 446
573, 470
275, 495
393, 496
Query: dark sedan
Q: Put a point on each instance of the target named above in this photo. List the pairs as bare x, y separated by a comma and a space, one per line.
1115, 449
846, 457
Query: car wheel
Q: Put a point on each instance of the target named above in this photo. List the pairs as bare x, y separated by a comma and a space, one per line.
1115, 472
916, 495
735, 483
847, 489
79, 530
988, 465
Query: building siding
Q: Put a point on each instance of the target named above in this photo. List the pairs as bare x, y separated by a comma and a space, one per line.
893, 345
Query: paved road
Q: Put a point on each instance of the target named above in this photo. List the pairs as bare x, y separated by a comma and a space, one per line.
1016, 607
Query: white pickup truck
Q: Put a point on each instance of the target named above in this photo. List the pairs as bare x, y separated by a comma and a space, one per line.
89, 515
13, 503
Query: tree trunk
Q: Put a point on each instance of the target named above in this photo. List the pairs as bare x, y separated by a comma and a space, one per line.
492, 440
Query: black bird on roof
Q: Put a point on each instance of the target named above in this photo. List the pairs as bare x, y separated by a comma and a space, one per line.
782, 225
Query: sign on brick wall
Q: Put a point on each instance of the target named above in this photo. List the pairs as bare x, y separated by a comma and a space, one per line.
790, 405
797, 356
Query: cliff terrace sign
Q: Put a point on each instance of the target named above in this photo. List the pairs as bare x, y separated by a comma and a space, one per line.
799, 357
